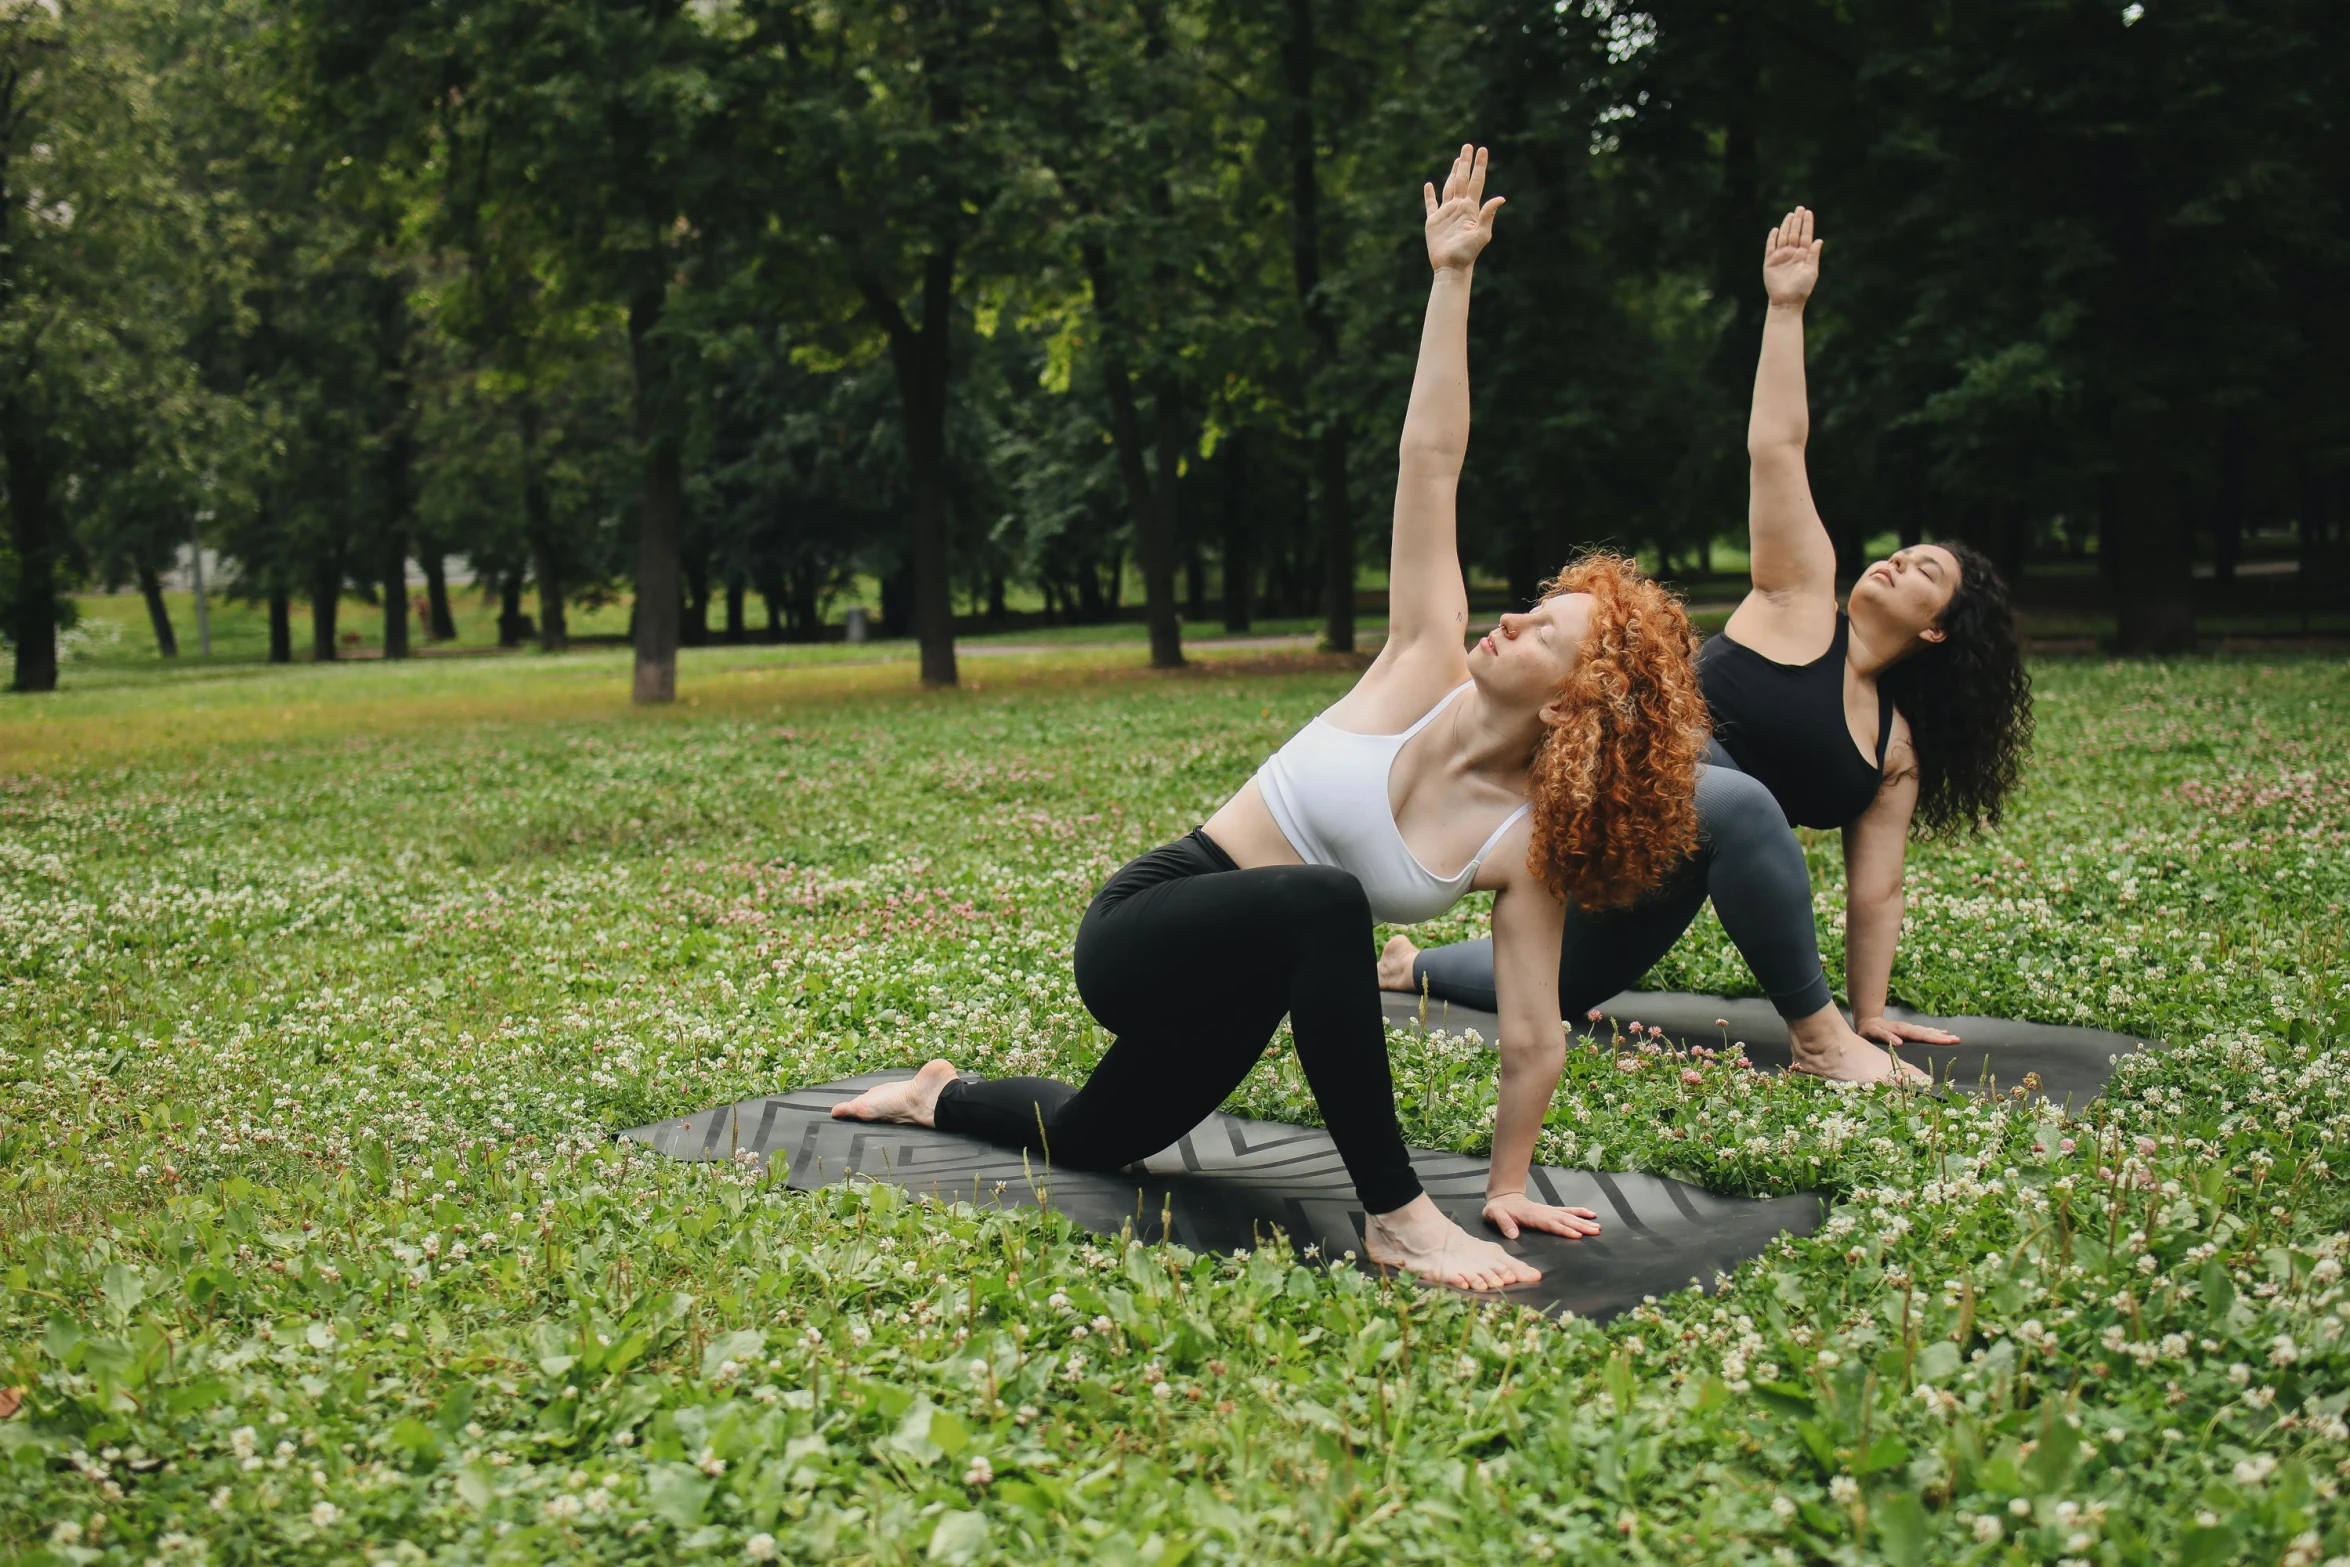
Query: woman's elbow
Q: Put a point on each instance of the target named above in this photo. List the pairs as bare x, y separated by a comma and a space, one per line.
1765, 445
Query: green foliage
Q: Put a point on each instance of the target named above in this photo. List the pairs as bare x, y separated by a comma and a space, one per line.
315, 1240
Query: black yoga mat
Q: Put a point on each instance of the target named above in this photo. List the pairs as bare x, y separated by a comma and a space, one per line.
1236, 1183
1993, 1055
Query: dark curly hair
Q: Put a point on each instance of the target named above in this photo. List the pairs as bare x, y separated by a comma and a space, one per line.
1968, 700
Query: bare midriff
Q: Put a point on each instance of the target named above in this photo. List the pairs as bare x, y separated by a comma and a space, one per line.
1243, 827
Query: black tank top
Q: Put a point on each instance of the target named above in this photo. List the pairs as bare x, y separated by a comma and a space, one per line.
1784, 724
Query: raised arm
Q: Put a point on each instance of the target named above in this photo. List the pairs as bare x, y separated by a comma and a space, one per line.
1793, 559
1426, 598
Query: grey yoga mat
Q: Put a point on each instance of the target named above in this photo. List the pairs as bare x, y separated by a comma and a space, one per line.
1236, 1183
1992, 1055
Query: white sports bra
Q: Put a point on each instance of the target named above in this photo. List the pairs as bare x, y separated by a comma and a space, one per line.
1327, 790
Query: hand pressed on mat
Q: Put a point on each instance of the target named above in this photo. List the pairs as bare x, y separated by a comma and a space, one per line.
1515, 1212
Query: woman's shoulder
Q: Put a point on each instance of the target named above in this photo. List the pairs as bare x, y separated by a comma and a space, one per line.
1397, 692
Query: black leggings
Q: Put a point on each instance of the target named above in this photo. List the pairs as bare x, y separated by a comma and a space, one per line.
1747, 861
1182, 922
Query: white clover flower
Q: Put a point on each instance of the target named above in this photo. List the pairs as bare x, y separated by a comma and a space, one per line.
2174, 1346
1782, 1508
241, 1441
760, 1547
2239, 1373
1987, 1529
564, 1508
1844, 1489
2020, 1506
324, 1514
980, 1473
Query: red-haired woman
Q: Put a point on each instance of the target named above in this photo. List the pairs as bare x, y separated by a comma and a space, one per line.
1557, 758
1908, 705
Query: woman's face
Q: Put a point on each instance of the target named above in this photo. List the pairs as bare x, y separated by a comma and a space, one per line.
1909, 589
1525, 659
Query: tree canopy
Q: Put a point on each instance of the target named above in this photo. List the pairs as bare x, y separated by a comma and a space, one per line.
696, 301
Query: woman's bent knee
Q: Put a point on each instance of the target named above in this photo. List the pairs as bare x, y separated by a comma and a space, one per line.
1733, 806
1321, 897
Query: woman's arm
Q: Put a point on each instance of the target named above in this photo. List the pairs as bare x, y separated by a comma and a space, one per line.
1874, 849
1426, 597
1527, 921
1793, 560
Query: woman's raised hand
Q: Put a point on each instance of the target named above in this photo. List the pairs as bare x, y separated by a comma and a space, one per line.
1791, 259
1461, 224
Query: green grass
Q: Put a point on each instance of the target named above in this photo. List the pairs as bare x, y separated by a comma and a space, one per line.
321, 991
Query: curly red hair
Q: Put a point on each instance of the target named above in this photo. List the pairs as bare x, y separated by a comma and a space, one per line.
1614, 782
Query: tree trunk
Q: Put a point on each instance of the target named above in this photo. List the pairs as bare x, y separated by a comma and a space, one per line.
514, 626
2011, 541
538, 521
2228, 506
663, 522
2109, 532
395, 592
158, 613
1524, 570
397, 476
281, 626
1142, 506
326, 597
695, 632
1335, 511
996, 610
1159, 548
897, 602
32, 619
734, 608
1239, 558
2310, 487
2154, 575
920, 357
440, 619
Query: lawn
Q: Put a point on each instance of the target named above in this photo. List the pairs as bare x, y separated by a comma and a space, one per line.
322, 990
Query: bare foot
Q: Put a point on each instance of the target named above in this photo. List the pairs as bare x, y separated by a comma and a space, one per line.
913, 1102
1842, 1056
1395, 965
1418, 1238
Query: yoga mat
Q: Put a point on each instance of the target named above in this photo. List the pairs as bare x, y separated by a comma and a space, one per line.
1234, 1183
1993, 1054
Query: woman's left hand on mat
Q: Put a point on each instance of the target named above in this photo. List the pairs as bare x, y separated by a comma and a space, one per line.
1887, 1032
1512, 1212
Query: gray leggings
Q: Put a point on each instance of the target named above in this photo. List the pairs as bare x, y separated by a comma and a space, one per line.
1747, 861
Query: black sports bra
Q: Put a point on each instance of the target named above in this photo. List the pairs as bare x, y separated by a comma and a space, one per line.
1784, 724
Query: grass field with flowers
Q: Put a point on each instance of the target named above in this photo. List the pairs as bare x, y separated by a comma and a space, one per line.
318, 1008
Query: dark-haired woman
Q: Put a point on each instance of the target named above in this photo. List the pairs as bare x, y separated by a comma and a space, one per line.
1910, 706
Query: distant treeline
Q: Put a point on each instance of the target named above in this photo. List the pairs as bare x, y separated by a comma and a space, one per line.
723, 302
